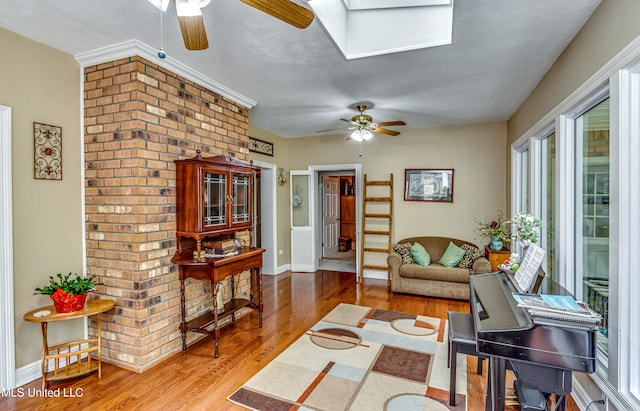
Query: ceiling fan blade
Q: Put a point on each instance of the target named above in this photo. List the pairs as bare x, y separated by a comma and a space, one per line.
392, 123
350, 121
284, 10
384, 131
192, 27
334, 129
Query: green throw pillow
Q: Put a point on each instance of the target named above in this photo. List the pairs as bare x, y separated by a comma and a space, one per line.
420, 254
452, 256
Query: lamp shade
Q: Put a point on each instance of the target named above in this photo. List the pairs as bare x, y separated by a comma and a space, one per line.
187, 8
161, 4
357, 135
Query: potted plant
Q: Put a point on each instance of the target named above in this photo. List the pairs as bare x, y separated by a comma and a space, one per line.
497, 230
68, 294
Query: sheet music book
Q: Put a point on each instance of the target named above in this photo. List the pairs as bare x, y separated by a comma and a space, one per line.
592, 318
550, 302
557, 307
526, 275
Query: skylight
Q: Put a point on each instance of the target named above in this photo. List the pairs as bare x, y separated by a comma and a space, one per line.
362, 28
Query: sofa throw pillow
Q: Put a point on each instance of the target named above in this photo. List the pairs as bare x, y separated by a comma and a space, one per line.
420, 254
471, 254
452, 256
405, 253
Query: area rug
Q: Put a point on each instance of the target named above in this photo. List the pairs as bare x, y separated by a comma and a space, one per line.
360, 358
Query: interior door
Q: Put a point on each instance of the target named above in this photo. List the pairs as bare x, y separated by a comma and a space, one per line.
330, 215
302, 245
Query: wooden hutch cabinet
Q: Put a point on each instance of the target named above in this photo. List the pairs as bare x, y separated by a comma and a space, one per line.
214, 197
214, 200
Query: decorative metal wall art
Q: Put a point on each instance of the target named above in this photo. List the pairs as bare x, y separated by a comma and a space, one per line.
47, 141
260, 146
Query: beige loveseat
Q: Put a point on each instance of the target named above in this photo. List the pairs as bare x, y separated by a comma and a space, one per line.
434, 280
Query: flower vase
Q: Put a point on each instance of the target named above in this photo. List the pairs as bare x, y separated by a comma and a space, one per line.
496, 243
67, 303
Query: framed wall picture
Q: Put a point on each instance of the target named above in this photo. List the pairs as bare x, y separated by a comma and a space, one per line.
428, 184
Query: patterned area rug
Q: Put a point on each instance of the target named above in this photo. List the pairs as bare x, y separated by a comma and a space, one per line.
360, 358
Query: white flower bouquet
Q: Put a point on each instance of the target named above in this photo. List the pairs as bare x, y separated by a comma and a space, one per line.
527, 228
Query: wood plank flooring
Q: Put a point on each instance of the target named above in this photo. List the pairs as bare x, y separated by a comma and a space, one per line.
194, 380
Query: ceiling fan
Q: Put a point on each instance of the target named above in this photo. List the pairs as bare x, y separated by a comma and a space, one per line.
192, 24
363, 126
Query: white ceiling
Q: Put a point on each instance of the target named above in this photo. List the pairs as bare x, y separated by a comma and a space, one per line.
500, 51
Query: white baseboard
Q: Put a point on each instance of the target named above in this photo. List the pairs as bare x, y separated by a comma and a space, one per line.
284, 268
374, 274
28, 373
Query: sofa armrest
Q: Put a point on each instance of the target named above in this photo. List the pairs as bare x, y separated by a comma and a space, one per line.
481, 266
394, 261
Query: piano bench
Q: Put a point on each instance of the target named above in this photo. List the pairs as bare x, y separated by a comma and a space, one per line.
462, 340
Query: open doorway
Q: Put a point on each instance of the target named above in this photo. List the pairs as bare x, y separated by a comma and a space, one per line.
337, 206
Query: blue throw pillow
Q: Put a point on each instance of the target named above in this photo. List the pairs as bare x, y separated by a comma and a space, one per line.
420, 254
452, 256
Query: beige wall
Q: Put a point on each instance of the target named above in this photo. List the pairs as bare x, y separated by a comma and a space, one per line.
282, 193
470, 150
43, 85
611, 27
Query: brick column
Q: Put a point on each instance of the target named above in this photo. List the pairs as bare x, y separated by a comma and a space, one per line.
138, 118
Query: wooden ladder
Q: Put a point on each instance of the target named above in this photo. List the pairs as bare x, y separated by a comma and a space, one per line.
383, 202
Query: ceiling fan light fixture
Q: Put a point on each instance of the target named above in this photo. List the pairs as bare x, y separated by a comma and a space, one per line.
366, 134
356, 135
188, 8
160, 4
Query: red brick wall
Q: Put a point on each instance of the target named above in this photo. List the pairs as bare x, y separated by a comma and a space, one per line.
138, 118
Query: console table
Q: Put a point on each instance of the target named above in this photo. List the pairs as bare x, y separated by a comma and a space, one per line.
496, 257
62, 354
216, 270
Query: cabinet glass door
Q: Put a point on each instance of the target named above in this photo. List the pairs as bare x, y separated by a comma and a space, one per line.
241, 199
215, 199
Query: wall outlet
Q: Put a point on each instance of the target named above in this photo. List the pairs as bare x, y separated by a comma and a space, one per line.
281, 252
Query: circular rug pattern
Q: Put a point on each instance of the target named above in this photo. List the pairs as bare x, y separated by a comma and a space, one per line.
403, 402
335, 338
413, 327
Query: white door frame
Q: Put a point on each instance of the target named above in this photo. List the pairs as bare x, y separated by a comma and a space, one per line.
357, 168
268, 209
7, 329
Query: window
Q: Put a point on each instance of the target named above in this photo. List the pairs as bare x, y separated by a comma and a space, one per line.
585, 186
520, 173
523, 167
592, 213
548, 201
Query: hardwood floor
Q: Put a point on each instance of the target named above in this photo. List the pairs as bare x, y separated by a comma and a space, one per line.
194, 380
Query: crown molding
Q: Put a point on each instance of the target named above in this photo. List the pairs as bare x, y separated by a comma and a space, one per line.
137, 48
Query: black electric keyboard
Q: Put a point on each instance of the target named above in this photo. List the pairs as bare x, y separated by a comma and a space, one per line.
542, 353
